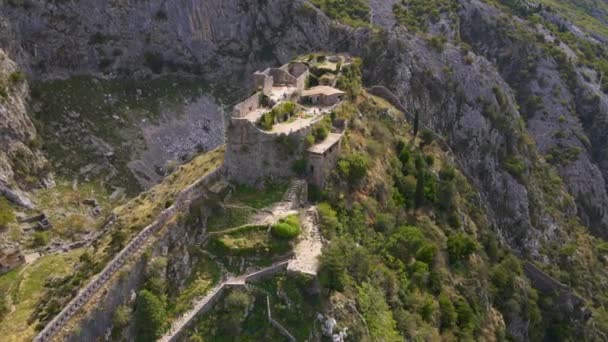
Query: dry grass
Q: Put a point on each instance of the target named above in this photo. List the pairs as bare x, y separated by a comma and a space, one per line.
142, 210
27, 288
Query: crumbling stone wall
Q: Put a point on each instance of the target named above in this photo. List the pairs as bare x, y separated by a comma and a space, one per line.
282, 77
247, 106
263, 82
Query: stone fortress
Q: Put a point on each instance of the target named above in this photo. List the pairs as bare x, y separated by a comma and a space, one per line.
255, 154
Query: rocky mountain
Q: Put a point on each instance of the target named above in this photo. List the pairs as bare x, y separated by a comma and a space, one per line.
22, 166
516, 91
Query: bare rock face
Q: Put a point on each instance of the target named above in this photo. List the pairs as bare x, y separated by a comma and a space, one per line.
567, 119
21, 164
175, 138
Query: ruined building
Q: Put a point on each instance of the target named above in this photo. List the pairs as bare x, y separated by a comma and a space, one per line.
268, 132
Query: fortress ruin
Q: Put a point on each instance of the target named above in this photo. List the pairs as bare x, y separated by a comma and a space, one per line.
270, 132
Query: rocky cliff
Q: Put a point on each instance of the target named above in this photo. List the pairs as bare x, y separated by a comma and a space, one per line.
21, 163
512, 110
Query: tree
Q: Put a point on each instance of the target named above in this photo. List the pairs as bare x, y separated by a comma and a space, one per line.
353, 168
150, 316
333, 268
419, 198
460, 246
237, 302
328, 219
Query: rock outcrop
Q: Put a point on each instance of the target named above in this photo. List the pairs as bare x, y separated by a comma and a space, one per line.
21, 163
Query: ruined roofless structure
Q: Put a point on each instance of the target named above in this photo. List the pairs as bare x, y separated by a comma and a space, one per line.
256, 153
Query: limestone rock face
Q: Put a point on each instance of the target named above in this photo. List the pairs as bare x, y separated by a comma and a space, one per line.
227, 40
21, 163
569, 124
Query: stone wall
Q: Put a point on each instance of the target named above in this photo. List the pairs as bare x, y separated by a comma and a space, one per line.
85, 294
566, 299
280, 267
263, 81
281, 77
253, 155
247, 106
301, 80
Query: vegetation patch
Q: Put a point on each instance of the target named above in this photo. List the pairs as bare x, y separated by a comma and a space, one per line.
287, 228
350, 12
279, 113
205, 274
241, 315
229, 217
22, 288
259, 198
249, 241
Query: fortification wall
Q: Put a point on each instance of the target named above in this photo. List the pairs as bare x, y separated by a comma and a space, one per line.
91, 289
253, 155
263, 82
281, 77
301, 80
253, 277
249, 105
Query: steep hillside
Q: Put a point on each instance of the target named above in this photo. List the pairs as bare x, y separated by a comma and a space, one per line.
471, 199
22, 166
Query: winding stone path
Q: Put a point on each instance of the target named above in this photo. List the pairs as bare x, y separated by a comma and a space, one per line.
309, 247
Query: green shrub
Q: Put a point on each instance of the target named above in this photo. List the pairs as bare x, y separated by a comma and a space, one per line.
287, 228
328, 219
460, 246
516, 166
437, 42
447, 311
320, 133
309, 140
280, 113
353, 168
299, 167
408, 242
602, 248
6, 213
150, 316
266, 121
16, 77
40, 239
121, 317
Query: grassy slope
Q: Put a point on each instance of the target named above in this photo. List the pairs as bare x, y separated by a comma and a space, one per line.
591, 15
25, 287
132, 217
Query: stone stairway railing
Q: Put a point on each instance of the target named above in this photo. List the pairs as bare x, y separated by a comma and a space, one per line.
206, 303
86, 293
